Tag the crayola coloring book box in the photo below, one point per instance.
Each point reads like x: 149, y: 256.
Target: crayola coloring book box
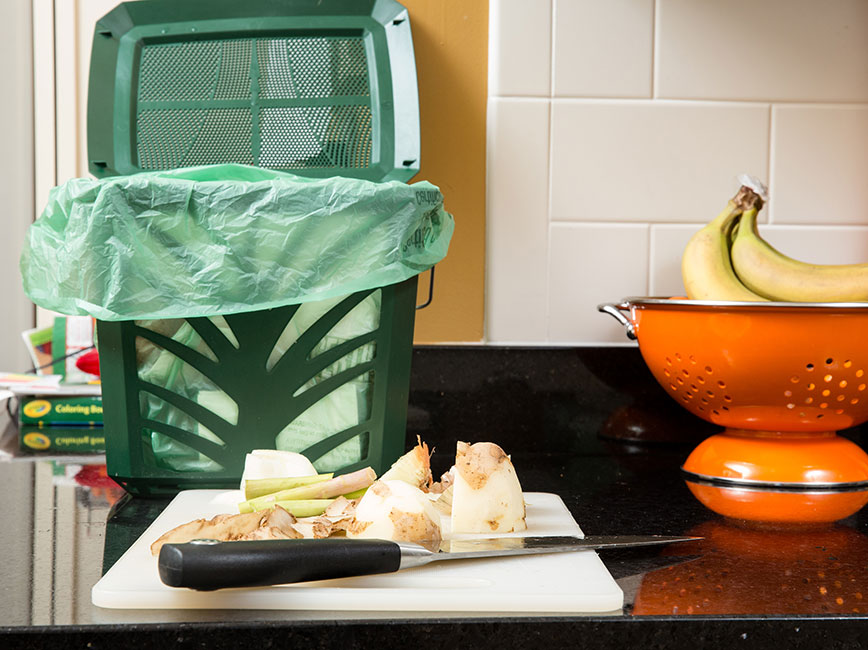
x: 60, y: 410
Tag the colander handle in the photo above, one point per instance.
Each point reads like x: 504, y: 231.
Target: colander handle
x: 614, y: 310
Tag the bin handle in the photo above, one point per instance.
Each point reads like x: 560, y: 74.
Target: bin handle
x: 614, y: 310
x: 430, y: 291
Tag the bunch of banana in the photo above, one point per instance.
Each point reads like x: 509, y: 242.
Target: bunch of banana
x: 706, y: 268
x: 776, y: 276
x: 729, y: 260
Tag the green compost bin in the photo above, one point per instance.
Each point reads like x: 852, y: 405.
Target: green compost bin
x: 197, y: 368
x: 240, y: 308
x: 161, y: 441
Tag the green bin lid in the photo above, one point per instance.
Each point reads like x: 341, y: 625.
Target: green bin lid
x: 317, y: 88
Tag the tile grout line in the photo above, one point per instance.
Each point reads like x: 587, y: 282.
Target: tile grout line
x: 771, y: 163
x: 548, y: 208
x: 552, y: 20
x: 654, y: 57
x: 655, y: 74
x: 649, y: 227
x: 667, y: 101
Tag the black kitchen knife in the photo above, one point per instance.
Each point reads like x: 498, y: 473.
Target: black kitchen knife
x: 208, y: 564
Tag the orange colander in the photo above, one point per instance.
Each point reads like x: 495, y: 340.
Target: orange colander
x: 781, y: 378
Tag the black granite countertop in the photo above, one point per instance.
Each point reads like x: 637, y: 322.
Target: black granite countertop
x: 588, y: 424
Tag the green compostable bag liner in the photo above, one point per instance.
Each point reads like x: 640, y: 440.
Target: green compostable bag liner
x: 224, y: 239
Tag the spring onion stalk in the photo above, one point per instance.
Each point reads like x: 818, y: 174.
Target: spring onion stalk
x: 355, y: 495
x: 298, y: 508
x: 254, y: 488
x: 329, y: 489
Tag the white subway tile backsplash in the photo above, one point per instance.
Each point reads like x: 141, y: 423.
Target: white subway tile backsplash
x: 590, y: 264
x: 652, y: 161
x: 517, y: 225
x: 603, y: 49
x: 820, y: 163
x: 617, y: 130
x: 667, y: 247
x: 818, y: 244
x: 774, y: 50
x: 520, y: 37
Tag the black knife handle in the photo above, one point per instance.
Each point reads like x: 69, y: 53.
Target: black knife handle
x: 208, y: 565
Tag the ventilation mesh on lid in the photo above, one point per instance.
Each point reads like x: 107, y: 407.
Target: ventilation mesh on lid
x: 313, y: 67
x: 322, y: 136
x: 233, y: 80
x: 179, y: 71
x: 281, y: 103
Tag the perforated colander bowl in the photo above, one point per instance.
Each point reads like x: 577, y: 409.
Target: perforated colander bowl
x: 779, y: 367
x: 782, y: 379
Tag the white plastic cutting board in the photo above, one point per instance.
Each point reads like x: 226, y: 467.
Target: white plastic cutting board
x: 560, y: 582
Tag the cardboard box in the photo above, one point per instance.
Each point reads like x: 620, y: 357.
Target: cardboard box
x: 60, y: 410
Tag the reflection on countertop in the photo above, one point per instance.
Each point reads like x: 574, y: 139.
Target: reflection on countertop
x: 54, y: 515
x: 754, y: 569
x: 559, y: 417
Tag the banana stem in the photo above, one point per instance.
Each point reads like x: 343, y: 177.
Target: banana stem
x: 746, y: 199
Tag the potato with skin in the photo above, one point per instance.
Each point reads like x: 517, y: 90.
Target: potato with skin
x: 486, y: 493
x: 398, y: 511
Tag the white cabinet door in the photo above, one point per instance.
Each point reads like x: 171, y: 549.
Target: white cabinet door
x: 62, y: 34
x: 16, y: 175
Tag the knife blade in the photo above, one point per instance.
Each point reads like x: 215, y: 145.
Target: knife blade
x: 206, y: 565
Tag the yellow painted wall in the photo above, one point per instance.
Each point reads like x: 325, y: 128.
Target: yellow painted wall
x: 450, y: 38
